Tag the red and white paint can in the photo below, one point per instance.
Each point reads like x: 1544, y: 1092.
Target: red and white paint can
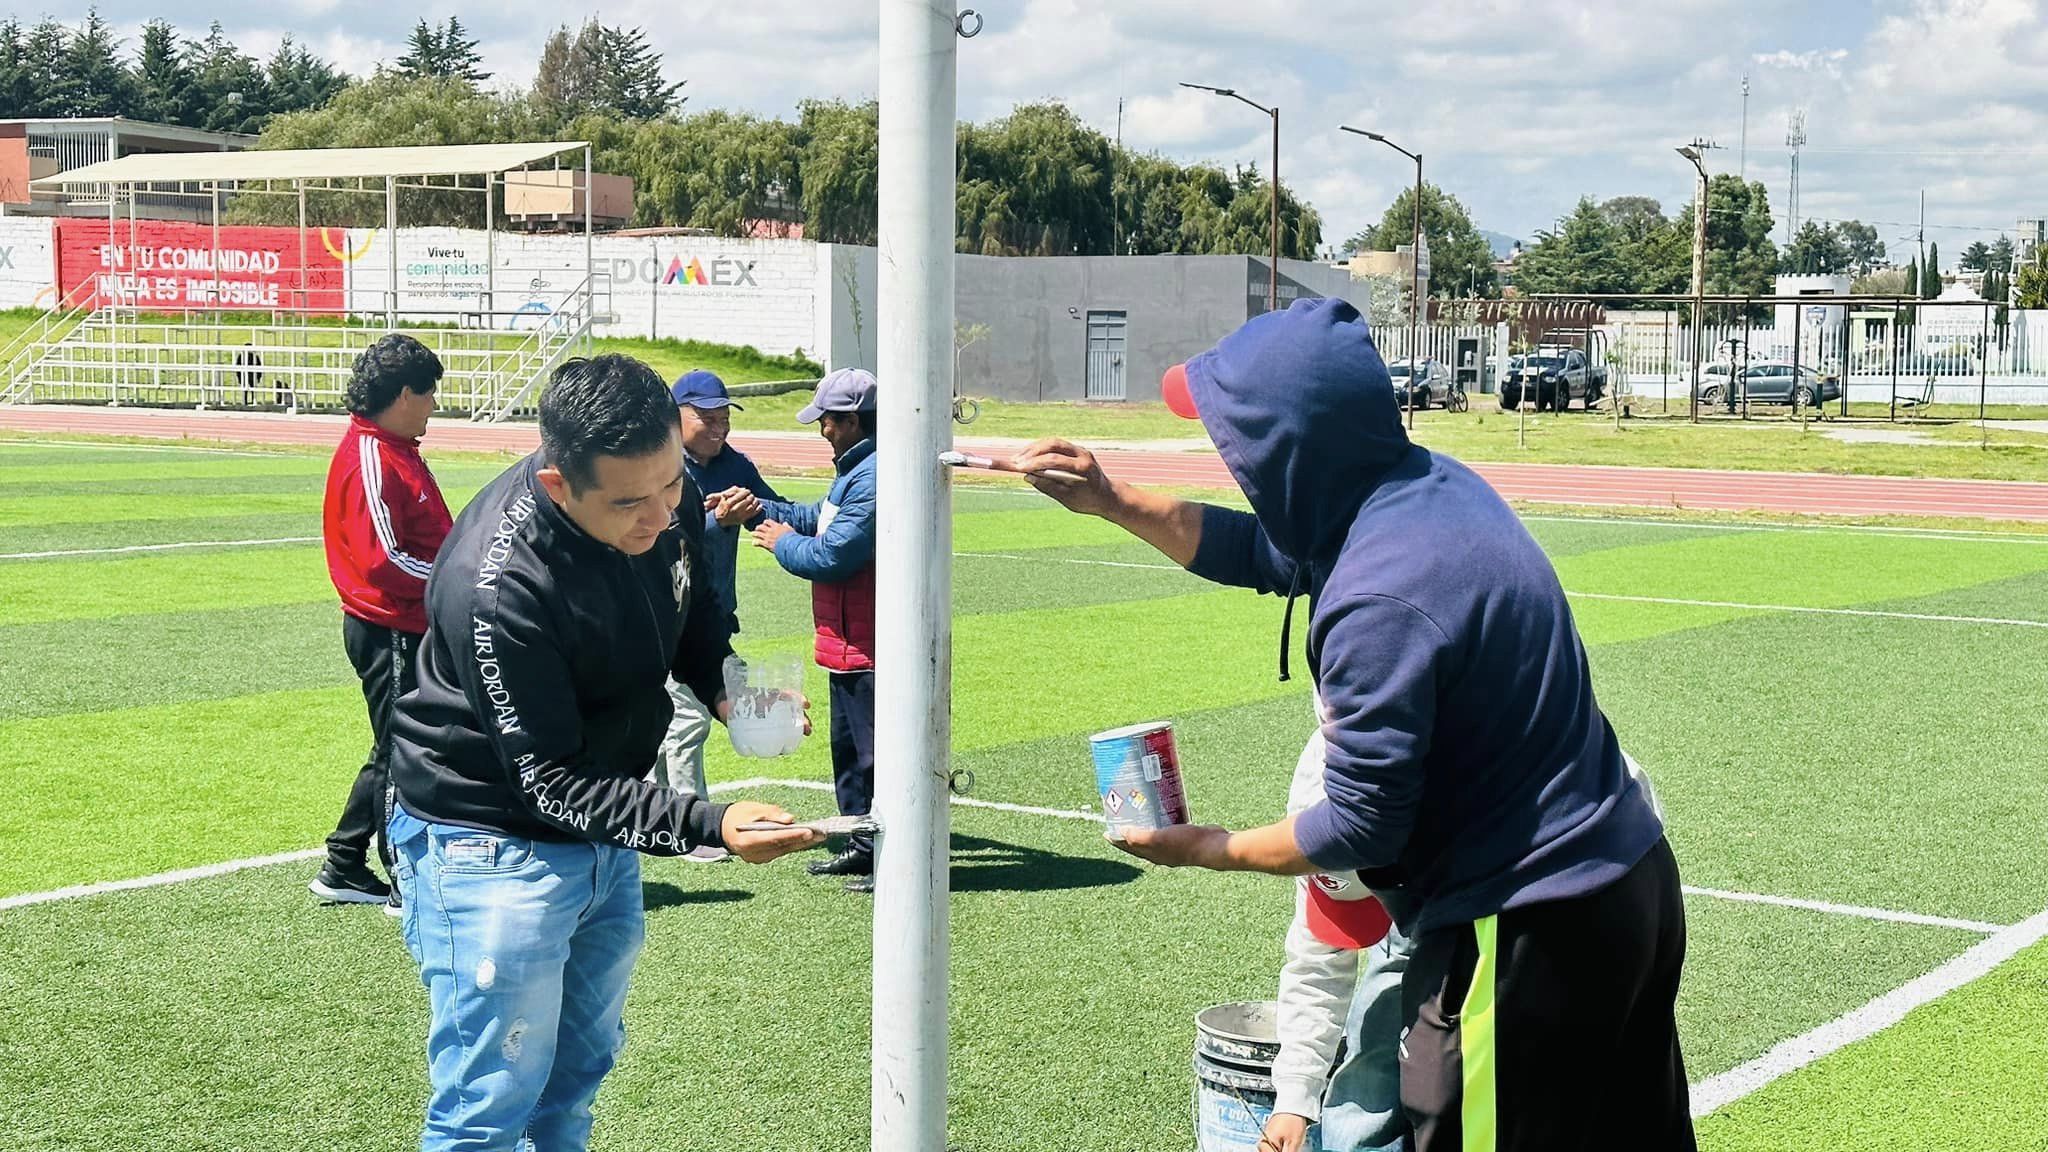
x: 1137, y: 775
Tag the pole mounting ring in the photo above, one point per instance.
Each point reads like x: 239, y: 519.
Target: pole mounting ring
x: 962, y: 26
x: 960, y: 782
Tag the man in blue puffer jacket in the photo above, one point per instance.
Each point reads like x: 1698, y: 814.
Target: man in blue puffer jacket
x: 1548, y: 920
x: 832, y: 545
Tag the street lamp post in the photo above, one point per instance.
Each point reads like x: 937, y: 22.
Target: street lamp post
x: 1273, y: 267
x: 1699, y: 277
x: 1414, y: 266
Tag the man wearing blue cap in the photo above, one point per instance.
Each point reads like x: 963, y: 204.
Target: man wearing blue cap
x: 733, y: 490
x: 832, y: 545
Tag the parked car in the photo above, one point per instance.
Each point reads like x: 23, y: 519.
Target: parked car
x: 1769, y: 382
x: 1554, y: 377
x: 1435, y: 390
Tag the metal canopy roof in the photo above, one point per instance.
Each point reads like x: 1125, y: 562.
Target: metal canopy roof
x: 310, y: 164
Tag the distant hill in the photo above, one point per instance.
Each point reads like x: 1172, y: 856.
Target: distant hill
x: 1501, y: 243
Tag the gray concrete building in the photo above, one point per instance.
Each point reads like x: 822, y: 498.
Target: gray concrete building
x: 1105, y: 328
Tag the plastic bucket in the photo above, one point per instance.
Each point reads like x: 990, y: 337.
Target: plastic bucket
x: 1235, y: 1045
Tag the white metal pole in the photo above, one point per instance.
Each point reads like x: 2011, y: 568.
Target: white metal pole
x: 391, y: 239
x: 490, y: 300
x: 914, y: 575
x: 589, y: 244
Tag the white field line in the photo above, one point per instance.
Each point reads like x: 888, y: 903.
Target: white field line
x: 1082, y: 815
x: 1709, y: 1095
x: 158, y: 880
x: 1866, y: 612
x: 1789, y: 1056
x: 9, y: 441
x: 1960, y: 534
x: 1667, y: 600
x: 158, y: 547
x: 1856, y: 910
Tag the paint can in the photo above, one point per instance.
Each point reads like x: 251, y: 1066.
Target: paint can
x: 1235, y: 1045
x: 1137, y: 775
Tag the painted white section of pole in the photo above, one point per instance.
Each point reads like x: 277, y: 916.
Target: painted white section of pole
x: 914, y: 575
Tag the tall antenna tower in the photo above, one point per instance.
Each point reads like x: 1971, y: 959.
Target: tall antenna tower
x: 1742, y: 155
x: 1795, y: 139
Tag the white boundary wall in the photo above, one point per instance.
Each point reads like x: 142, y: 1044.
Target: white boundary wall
x: 758, y: 292
x: 28, y: 263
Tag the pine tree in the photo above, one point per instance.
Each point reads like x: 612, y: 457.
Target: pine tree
x: 50, y: 88
x: 422, y: 53
x: 1930, y: 276
x: 459, y: 57
x: 629, y: 76
x: 296, y: 80
x: 228, y: 89
x: 14, y: 79
x: 102, y: 85
x: 163, y: 80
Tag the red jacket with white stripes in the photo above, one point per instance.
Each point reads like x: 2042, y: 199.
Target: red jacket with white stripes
x: 384, y: 520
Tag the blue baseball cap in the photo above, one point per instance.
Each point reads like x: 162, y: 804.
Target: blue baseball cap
x: 842, y: 390
x: 701, y: 389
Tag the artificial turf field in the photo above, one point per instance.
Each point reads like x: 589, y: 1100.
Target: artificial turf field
x: 168, y: 708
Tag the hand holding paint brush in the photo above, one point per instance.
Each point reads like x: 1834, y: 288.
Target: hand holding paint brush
x: 989, y: 464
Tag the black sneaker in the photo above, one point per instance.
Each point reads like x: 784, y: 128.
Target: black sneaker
x: 852, y: 862
x: 355, y: 886
x: 861, y: 884
x: 394, y: 905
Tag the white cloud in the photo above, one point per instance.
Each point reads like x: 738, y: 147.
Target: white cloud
x: 1519, y: 106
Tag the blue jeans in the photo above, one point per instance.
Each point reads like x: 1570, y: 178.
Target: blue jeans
x: 526, y: 948
x: 1362, y: 1108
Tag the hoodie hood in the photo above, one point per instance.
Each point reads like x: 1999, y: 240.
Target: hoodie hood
x: 1302, y: 411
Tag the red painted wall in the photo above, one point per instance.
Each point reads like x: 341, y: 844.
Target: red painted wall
x: 164, y: 265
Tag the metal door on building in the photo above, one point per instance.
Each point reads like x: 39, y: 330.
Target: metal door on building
x: 1105, y: 375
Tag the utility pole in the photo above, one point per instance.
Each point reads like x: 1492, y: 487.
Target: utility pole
x: 1116, y: 202
x: 1696, y: 152
x: 1273, y: 271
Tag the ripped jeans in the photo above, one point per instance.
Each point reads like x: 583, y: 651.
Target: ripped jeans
x: 526, y: 948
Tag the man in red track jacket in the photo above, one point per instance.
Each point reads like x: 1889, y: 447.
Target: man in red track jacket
x: 384, y: 521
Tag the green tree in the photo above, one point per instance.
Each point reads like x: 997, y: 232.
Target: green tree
x: 2030, y: 282
x: 1976, y: 257
x: 16, y: 85
x: 1656, y: 255
x: 1866, y: 251
x: 1930, y: 273
x: 296, y: 80
x: 163, y: 78
x: 1817, y: 249
x: 51, y: 88
x: 444, y: 52
x: 839, y: 151
x: 100, y: 85
x: 604, y: 69
x: 1582, y: 255
x: 1460, y: 259
x: 1882, y: 282
x: 2001, y: 255
x: 390, y: 110
x: 1035, y: 182
x: 1741, y: 260
x: 229, y: 91
x: 629, y: 77
x: 565, y: 83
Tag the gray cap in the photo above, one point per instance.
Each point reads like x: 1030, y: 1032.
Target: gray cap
x: 842, y: 390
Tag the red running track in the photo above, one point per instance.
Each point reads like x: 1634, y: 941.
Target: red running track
x: 1591, y: 485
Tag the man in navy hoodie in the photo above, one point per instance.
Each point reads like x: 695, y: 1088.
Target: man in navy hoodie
x: 1548, y: 921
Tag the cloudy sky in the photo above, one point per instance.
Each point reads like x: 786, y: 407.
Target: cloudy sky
x: 1518, y: 106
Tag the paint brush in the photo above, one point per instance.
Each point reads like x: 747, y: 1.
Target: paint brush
x: 963, y: 460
